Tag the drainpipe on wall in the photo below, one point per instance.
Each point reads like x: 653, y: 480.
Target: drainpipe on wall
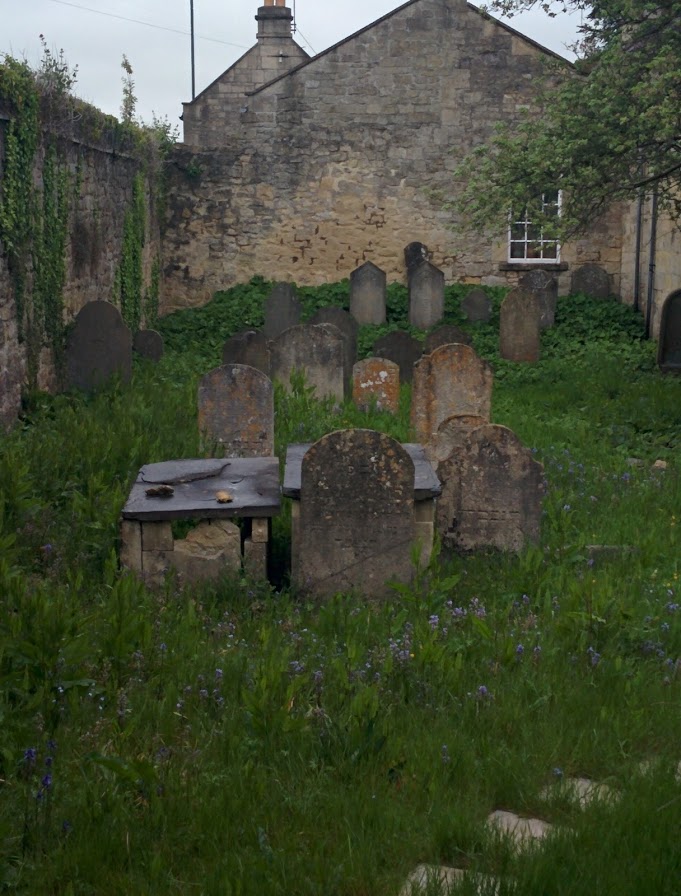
x: 637, y: 268
x: 651, y: 264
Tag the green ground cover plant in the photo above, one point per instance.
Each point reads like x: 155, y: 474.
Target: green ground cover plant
x: 236, y: 739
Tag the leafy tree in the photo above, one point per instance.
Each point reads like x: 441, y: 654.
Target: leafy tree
x: 611, y: 126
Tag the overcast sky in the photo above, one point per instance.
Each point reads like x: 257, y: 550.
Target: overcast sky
x: 154, y: 35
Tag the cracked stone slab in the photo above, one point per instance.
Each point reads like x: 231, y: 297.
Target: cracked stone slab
x: 424, y: 877
x: 523, y: 831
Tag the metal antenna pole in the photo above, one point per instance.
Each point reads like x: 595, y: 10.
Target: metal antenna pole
x: 191, y: 17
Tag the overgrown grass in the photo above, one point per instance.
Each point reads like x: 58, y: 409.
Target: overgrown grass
x: 234, y: 739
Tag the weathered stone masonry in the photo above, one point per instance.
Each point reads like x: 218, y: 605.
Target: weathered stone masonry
x: 335, y: 162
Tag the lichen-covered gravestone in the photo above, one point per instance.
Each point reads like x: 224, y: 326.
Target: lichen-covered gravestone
x: 545, y: 286
x: 367, y: 294
x: 248, y: 347
x: 451, y: 380
x: 148, y: 344
x: 282, y: 310
x: 591, y: 280
x: 451, y: 435
x: 426, y: 296
x: 236, y: 411
x: 477, y: 306
x: 519, y: 329
x: 348, y: 326
x: 317, y: 350
x: 492, y: 490
x: 356, y: 525
x: 99, y: 346
x: 669, y: 343
x: 445, y: 335
x: 376, y: 382
x: 401, y: 348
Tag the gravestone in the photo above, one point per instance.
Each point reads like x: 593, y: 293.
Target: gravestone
x: 492, y: 490
x: 477, y: 306
x: 415, y: 254
x: 591, y: 280
x: 367, y: 294
x: 669, y: 341
x: 356, y: 525
x: 248, y: 347
x: 545, y: 286
x: 401, y: 348
x: 148, y: 344
x: 519, y: 332
x: 236, y: 410
x: 426, y: 296
x: 451, y: 435
x: 445, y: 335
x: 451, y: 380
x: 282, y: 310
x: 317, y: 350
x: 349, y: 328
x: 98, y: 347
x: 376, y: 381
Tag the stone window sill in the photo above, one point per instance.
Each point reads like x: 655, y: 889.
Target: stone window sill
x: 533, y: 266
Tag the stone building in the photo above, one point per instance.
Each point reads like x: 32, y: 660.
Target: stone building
x: 303, y: 168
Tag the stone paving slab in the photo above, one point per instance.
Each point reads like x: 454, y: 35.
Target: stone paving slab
x: 522, y: 831
x: 424, y: 877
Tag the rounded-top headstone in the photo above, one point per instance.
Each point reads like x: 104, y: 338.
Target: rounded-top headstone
x: 403, y: 349
x: 477, y: 306
x: 445, y: 335
x: 148, y: 344
x: 451, y: 435
x: 236, y: 410
x: 99, y: 346
x: 316, y: 350
x: 247, y: 347
x: 348, y: 326
x: 591, y: 280
x: 376, y: 382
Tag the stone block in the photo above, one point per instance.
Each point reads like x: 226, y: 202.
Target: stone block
x: 131, y: 545
x: 260, y: 530
x: 157, y: 536
x: 209, y: 550
x: 255, y: 559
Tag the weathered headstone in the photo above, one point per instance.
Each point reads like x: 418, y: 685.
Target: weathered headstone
x: 445, y: 335
x: 477, y: 306
x: 317, y: 350
x: 669, y: 341
x: 415, y: 254
x: 591, y: 280
x: 451, y: 435
x: 356, y: 525
x: 451, y: 380
x: 519, y: 331
x: 367, y: 294
x: 426, y: 296
x: 349, y: 328
x: 148, y: 344
x: 236, y: 410
x: 492, y: 490
x: 545, y: 286
x: 401, y: 348
x: 376, y: 381
x: 98, y: 347
x: 248, y: 347
x: 282, y: 310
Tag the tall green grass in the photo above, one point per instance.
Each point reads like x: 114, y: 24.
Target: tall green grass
x: 234, y: 739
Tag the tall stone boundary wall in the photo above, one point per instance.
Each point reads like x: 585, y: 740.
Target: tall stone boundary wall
x: 343, y: 160
x: 104, y: 166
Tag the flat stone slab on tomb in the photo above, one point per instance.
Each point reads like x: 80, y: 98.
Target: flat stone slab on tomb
x: 401, y: 348
x: 445, y: 335
x: 252, y: 483
x: 236, y: 410
x: 426, y: 483
x: 477, y: 306
x: 148, y: 344
x: 248, y: 347
x: 451, y: 380
x: 376, y: 381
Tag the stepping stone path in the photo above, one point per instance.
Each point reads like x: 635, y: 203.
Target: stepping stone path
x: 523, y: 832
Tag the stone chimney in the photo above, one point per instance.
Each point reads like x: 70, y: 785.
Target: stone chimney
x: 274, y: 22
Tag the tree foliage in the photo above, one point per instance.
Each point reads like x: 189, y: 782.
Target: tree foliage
x: 610, y: 129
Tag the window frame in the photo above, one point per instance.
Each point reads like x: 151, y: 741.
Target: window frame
x: 529, y: 240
